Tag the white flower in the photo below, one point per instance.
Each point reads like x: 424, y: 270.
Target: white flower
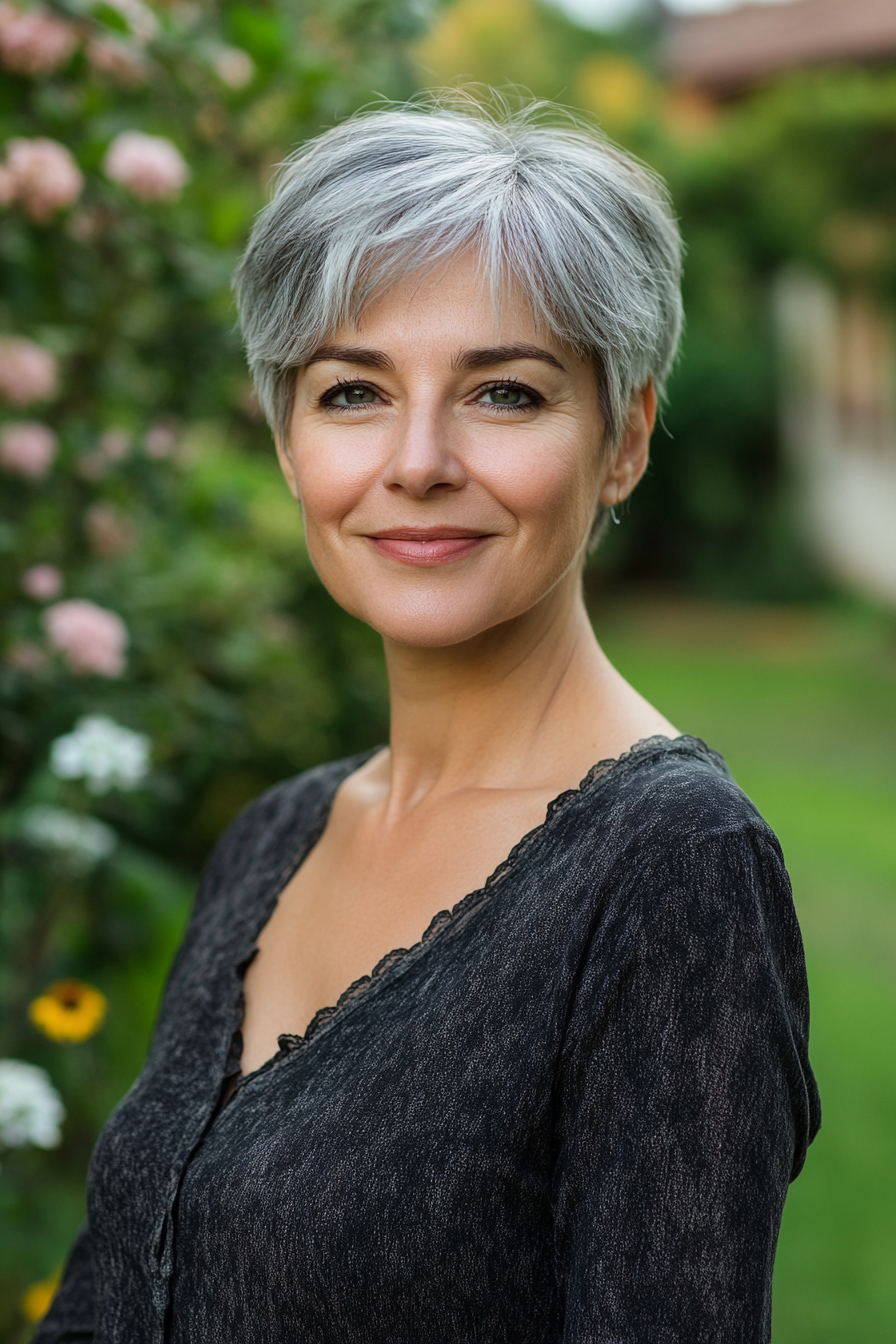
x: 103, y: 753
x: 83, y: 840
x: 31, y: 1109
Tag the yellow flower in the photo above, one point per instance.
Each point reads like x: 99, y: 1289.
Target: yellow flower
x: 35, y: 1301
x: 68, y: 1010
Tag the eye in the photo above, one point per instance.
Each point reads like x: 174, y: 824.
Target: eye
x: 346, y: 395
x: 509, y: 396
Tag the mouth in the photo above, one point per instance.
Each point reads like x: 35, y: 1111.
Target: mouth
x: 428, y: 546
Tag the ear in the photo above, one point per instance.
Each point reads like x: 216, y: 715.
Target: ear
x: 633, y: 451
x: 287, y: 466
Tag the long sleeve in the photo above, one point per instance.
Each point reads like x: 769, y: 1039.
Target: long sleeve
x: 686, y: 1102
x: 70, y: 1319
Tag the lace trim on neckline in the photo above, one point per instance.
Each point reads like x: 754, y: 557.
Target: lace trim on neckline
x: 289, y: 1042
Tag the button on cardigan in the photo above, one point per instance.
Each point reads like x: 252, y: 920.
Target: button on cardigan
x: 569, y: 1114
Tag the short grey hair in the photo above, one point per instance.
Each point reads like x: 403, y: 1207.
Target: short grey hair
x: 584, y: 230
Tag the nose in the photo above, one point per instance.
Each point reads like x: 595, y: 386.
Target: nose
x: 423, y: 461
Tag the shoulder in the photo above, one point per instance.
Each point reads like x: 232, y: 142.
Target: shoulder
x: 670, y: 793
x: 680, y: 783
x: 670, y: 838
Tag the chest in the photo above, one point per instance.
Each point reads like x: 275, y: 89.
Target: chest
x: 364, y: 890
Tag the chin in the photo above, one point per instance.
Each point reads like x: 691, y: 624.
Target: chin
x: 435, y: 621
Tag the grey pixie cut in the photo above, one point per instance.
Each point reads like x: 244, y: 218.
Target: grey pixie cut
x: 586, y: 233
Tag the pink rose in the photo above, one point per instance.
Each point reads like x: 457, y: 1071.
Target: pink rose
x: 27, y: 448
x: 45, y: 176
x: 148, y: 165
x: 34, y: 43
x: 27, y: 371
x: 42, y: 582
x: 89, y: 638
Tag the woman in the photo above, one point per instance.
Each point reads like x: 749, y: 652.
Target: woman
x: 570, y: 1110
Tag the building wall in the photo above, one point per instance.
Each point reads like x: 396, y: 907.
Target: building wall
x: 838, y: 409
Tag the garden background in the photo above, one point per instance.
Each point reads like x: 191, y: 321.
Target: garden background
x: 167, y: 652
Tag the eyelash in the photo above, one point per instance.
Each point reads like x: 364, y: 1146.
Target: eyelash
x: 339, y: 386
x: 536, y: 399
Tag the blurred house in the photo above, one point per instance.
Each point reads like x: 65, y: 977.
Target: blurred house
x: 837, y: 346
x: 730, y: 52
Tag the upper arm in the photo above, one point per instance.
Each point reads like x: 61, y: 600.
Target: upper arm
x: 686, y: 1104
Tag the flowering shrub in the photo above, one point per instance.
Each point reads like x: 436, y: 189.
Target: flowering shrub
x: 31, y: 1110
x: 148, y: 165
x: 42, y: 582
x: 103, y: 753
x: 27, y: 371
x: 89, y: 638
x: 41, y: 176
x: 36, y: 1299
x: 83, y: 841
x: 27, y: 448
x: 34, y: 41
x: 68, y: 1010
x: 157, y: 606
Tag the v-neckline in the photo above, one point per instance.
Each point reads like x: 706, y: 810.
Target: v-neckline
x: 289, y: 1042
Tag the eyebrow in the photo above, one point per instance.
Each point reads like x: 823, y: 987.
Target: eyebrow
x: 352, y: 354
x: 503, y: 354
x: 467, y: 359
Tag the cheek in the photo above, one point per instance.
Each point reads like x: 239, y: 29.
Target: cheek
x: 551, y: 488
x: 331, y: 479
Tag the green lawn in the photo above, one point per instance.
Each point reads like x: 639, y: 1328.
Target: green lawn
x: 803, y: 706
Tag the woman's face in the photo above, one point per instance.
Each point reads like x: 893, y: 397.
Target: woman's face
x: 448, y: 464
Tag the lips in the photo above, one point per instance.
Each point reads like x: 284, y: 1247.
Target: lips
x: 428, y: 547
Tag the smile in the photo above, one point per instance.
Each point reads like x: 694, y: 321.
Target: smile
x: 428, y: 547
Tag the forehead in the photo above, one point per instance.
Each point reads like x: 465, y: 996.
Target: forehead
x: 453, y: 302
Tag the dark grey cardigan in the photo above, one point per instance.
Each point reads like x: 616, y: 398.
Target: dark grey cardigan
x: 570, y: 1113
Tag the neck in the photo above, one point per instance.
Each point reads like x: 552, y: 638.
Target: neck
x: 500, y: 710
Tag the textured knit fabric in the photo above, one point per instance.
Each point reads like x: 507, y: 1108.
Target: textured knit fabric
x: 570, y: 1113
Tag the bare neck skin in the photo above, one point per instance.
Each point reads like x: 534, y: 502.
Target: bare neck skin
x: 532, y: 703
x: 484, y: 735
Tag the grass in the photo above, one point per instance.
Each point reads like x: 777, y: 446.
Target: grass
x: 803, y: 706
